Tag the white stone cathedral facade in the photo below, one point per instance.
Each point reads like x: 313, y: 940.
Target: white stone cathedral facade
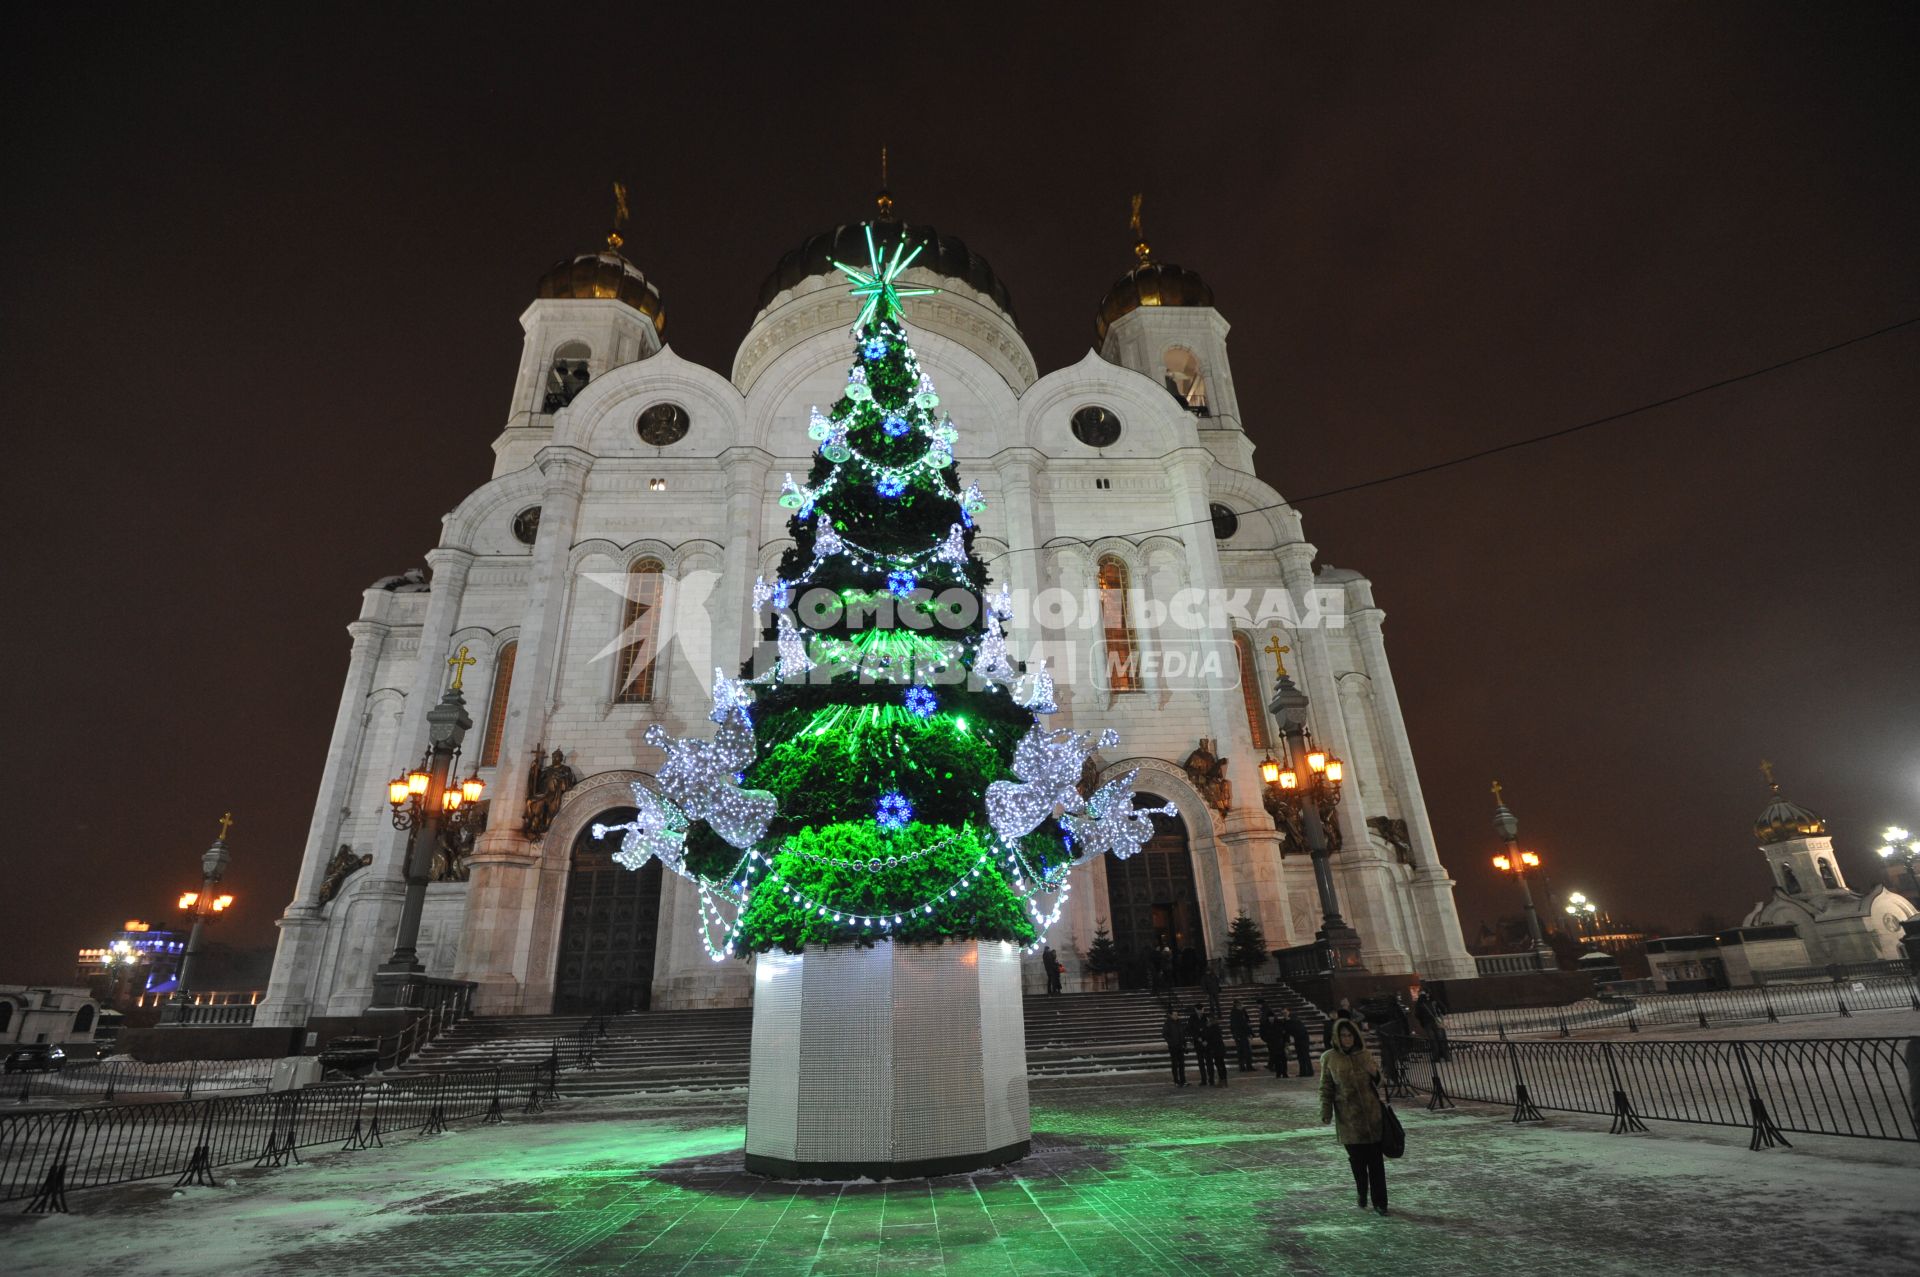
x: 607, y: 567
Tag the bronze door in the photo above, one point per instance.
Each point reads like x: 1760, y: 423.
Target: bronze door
x: 1151, y: 897
x: 608, y: 927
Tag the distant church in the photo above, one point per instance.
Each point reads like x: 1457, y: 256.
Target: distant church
x: 607, y: 567
x: 1809, y: 894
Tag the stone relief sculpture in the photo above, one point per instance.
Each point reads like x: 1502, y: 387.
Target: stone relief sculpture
x: 1395, y: 834
x: 343, y: 865
x: 1209, y: 775
x: 548, y: 780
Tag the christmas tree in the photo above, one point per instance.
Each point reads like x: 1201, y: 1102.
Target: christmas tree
x: 887, y: 777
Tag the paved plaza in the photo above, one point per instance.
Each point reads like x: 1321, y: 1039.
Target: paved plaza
x: 1124, y: 1179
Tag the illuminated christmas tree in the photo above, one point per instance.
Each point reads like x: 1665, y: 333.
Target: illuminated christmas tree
x: 887, y: 777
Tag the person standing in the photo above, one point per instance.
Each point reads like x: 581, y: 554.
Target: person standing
x: 1350, y: 1099
x: 1163, y: 969
x: 1197, y: 1034
x: 1242, y: 1036
x: 1284, y: 1027
x: 1428, y: 1014
x: 1302, y: 1045
x: 1215, y: 1044
x: 1210, y: 983
x: 1175, y: 1034
x: 1051, y: 961
x: 1274, y: 1039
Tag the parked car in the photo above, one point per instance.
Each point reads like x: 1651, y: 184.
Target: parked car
x: 35, y: 1057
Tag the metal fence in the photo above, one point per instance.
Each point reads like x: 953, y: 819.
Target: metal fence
x: 1860, y: 1087
x: 44, y: 1154
x: 1771, y: 1002
x: 124, y: 1080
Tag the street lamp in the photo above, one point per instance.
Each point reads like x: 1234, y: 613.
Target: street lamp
x: 425, y: 800
x: 1303, y: 805
x: 1584, y: 912
x: 1520, y: 864
x: 202, y: 904
x: 1904, y: 847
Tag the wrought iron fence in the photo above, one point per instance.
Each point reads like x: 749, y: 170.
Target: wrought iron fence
x: 121, y: 1080
x: 44, y: 1154
x: 1861, y: 1087
x: 1770, y: 1002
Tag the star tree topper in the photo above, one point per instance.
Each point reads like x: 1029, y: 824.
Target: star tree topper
x: 876, y: 284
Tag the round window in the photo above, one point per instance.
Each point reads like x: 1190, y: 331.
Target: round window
x: 1095, y: 426
x: 663, y: 424
x: 526, y: 525
x: 1225, y: 522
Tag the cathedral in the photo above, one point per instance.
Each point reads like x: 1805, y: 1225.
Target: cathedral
x: 591, y: 587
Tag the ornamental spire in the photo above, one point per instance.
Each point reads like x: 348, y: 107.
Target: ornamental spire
x: 614, y: 238
x: 1141, y: 250
x: 884, y: 200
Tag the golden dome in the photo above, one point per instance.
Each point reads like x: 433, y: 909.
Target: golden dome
x: 1783, y: 819
x: 604, y: 276
x: 1149, y: 283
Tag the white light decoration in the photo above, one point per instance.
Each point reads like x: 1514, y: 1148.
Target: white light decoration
x: 1034, y: 691
x: 990, y: 663
x: 953, y: 550
x: 825, y: 540
x: 1048, y: 764
x: 659, y: 830
x: 1111, y: 824
x: 794, y: 661
x: 702, y: 776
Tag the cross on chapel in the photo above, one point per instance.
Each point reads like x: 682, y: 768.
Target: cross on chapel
x: 458, y: 664
x: 1276, y: 649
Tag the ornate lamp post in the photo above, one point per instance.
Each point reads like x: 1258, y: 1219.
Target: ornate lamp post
x: 1520, y: 863
x: 1904, y: 847
x: 426, y: 800
x: 202, y: 904
x: 1585, y: 914
x: 1303, y: 805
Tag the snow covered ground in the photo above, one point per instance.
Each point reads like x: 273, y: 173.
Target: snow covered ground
x: 1124, y: 1179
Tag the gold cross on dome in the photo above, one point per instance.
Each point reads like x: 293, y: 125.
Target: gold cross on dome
x: 1496, y: 795
x: 226, y: 823
x: 458, y: 664
x: 1766, y: 769
x: 1276, y: 649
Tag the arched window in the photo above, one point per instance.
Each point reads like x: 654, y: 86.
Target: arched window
x: 567, y: 377
x: 497, y: 704
x: 1185, y: 381
x: 639, y: 632
x: 6, y: 1016
x: 1827, y: 875
x: 1123, y: 674
x: 83, y: 1020
x: 1791, y: 878
x: 1250, y: 692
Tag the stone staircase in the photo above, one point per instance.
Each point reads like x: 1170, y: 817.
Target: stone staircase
x: 705, y: 1053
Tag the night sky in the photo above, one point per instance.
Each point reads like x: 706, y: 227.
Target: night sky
x: 262, y: 281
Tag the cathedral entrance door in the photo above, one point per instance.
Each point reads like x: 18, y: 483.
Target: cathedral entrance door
x: 607, y: 928
x: 1151, y: 898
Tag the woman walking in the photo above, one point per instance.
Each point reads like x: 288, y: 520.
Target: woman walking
x: 1349, y: 1099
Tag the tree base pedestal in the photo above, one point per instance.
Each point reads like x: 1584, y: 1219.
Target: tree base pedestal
x: 897, y: 1061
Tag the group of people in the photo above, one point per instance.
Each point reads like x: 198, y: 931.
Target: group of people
x: 1202, y: 1028
x: 1350, y: 1079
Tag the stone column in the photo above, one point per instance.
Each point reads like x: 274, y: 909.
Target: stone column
x: 1444, y: 953
x: 1018, y: 470
x: 734, y: 630
x: 1360, y: 870
x: 1247, y: 835
x: 503, y: 886
x: 303, y: 926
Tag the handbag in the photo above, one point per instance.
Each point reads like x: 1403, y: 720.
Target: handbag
x: 1393, y: 1136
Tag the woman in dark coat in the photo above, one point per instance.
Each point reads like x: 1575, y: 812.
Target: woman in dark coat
x: 1350, y: 1099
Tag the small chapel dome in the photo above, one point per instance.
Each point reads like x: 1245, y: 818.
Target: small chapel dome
x: 1783, y: 819
x: 941, y: 254
x: 1149, y: 283
x: 604, y: 276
